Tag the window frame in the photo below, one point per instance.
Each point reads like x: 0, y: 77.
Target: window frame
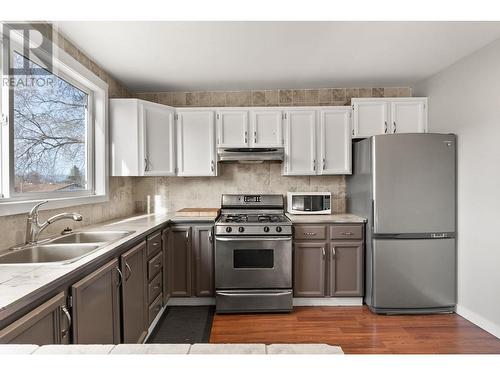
x: 97, y: 174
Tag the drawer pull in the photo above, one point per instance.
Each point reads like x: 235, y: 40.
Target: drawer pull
x: 310, y: 233
x: 156, y: 243
x: 157, y: 265
x: 347, y: 233
x: 156, y: 287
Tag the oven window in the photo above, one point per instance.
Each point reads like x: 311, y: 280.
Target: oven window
x: 253, y: 258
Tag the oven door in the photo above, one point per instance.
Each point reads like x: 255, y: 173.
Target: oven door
x: 253, y: 262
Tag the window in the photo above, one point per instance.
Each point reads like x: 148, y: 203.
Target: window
x: 50, y: 127
x: 54, y: 134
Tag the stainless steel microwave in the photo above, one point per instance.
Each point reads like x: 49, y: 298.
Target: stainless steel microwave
x: 309, y: 203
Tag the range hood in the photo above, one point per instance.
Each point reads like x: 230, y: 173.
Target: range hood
x: 248, y: 154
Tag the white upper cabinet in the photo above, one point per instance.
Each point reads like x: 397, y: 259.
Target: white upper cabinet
x: 300, y: 142
x: 158, y: 139
x: 335, y: 140
x: 266, y: 127
x: 373, y: 116
x: 232, y: 128
x: 141, y: 138
x: 196, y: 142
x: 409, y: 115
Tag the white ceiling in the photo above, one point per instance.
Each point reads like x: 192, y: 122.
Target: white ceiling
x: 165, y: 56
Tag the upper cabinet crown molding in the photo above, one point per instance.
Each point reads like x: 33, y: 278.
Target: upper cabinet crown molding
x: 142, y: 138
x: 374, y: 116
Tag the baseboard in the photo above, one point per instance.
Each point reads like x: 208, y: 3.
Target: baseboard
x: 478, y: 320
x: 191, y: 301
x: 333, y: 301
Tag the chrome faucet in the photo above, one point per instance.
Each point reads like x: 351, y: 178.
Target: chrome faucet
x: 34, y: 227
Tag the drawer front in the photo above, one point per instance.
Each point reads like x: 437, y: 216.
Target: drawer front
x: 154, y: 265
x: 154, y: 287
x: 154, y: 244
x: 310, y: 232
x: 155, y: 308
x: 346, y: 232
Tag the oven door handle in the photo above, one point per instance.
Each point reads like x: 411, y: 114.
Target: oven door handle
x: 254, y: 294
x: 253, y: 238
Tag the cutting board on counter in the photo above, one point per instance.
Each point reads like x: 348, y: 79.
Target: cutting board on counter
x: 194, y: 212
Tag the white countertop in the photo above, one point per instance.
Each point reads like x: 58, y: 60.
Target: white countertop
x: 18, y: 281
x: 338, y: 218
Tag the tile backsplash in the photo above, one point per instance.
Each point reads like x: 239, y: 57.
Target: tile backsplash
x: 277, y: 97
x: 175, y: 193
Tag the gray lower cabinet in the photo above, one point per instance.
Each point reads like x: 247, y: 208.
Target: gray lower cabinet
x: 309, y: 260
x: 167, y: 264
x: 47, y: 324
x: 96, y: 306
x: 192, y: 259
x: 134, y: 294
x: 203, y: 261
x: 346, y: 269
x: 334, y: 268
x: 181, y: 261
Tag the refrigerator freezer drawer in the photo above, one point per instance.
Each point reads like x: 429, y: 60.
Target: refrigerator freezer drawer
x: 414, y: 273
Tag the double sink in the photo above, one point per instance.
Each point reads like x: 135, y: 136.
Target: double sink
x: 64, y: 249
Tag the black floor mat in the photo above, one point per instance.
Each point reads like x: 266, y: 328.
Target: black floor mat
x: 184, y: 325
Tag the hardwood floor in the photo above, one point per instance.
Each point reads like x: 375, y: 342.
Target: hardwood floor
x: 357, y: 330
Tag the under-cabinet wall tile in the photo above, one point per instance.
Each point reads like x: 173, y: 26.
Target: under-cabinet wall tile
x: 378, y: 92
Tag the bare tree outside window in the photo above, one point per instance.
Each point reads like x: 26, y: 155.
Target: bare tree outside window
x: 50, y: 134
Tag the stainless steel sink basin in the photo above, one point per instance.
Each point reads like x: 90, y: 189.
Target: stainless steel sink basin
x: 48, y: 253
x: 92, y: 237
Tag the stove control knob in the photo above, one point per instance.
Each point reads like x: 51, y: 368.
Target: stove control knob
x: 229, y: 229
x: 279, y: 229
x: 241, y: 229
x: 266, y: 229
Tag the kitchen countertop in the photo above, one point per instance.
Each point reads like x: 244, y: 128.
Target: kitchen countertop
x: 19, y: 282
x: 338, y: 218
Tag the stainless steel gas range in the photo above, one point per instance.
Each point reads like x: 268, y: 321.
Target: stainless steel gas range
x: 253, y: 255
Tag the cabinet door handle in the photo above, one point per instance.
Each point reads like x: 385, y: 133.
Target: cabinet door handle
x: 64, y: 332
x: 314, y: 164
x: 246, y: 137
x: 156, y: 287
x: 210, y: 236
x: 145, y: 164
x: 255, y: 136
x: 323, y: 251
x: 212, y: 165
x: 324, y: 164
x: 187, y: 235
x: 385, y: 129
x: 394, y: 130
x: 120, y: 277
x: 333, y: 251
x: 129, y: 271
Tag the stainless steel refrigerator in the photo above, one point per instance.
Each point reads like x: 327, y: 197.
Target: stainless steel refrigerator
x: 405, y: 185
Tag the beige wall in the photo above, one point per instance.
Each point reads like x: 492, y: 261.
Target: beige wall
x: 121, y: 201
